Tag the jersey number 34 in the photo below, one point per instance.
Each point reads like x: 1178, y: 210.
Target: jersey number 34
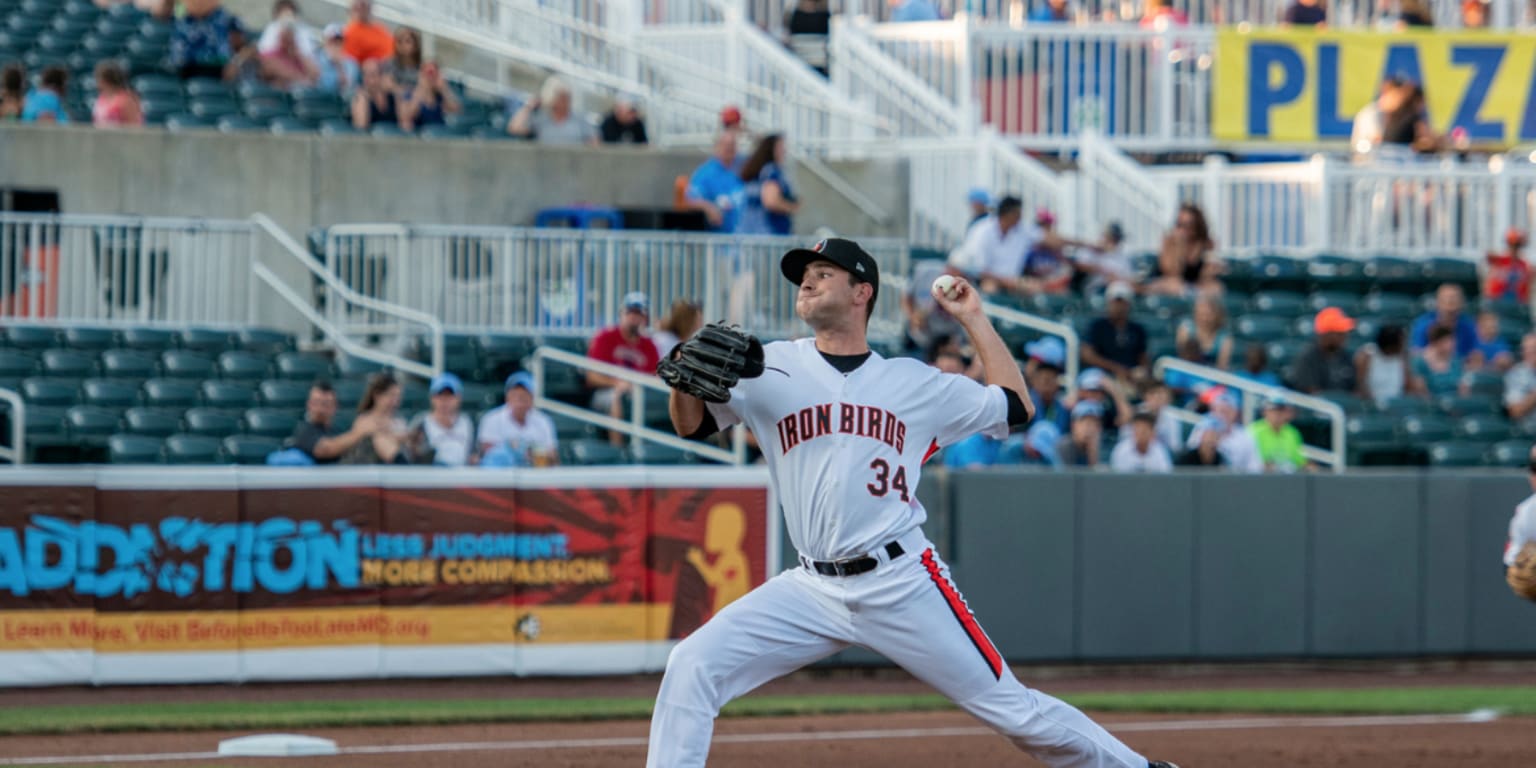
x: 885, y: 483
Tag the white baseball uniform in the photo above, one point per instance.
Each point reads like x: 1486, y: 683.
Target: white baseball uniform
x: 845, y: 453
x: 1522, y: 529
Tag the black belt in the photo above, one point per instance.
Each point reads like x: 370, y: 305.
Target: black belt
x: 853, y: 566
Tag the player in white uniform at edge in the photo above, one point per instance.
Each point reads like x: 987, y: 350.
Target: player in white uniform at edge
x: 845, y: 433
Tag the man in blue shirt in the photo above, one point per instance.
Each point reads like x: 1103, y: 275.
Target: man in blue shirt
x: 913, y: 10
x: 1052, y: 11
x: 45, y: 104
x: 715, y: 189
x: 1449, y: 305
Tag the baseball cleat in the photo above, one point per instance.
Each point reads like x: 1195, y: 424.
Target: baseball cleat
x: 1160, y: 764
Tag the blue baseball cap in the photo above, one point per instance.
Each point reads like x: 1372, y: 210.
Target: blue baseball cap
x: 446, y: 382
x: 522, y: 379
x: 1042, y: 438
x: 979, y: 196
x: 1092, y: 379
x: 1087, y: 409
x: 1048, y: 350
x: 637, y: 301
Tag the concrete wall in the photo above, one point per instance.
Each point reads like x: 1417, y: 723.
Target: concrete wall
x: 303, y: 182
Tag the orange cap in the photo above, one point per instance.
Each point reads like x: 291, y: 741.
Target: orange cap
x: 1333, y: 320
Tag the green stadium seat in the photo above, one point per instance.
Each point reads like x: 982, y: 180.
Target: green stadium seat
x: 110, y: 393
x: 127, y: 364
x: 1280, y: 273
x: 92, y: 425
x: 49, y: 391
x: 1509, y: 453
x: 1167, y: 307
x: 1238, y: 275
x: 264, y: 341
x: 217, y: 393
x: 1408, y: 405
x: 1471, y: 405
x: 1394, y: 274
x: 204, y: 87
x: 1422, y: 429
x: 155, y: 422
x: 1372, y: 440
x: 569, y: 428
x: 1457, y: 454
x: 278, y: 393
x: 1280, y: 303
x: 301, y: 367
x: 289, y: 126
x: 576, y: 345
x: 150, y: 339
x: 1392, y: 305
x: 483, y: 396
x: 564, y: 383
x: 249, y: 449
x: 502, y: 354
x: 187, y: 121
x: 215, y: 422
x: 594, y: 452
x: 1445, y: 269
x: 134, y: 449
x: 90, y: 339
x: 1483, y: 428
x: 1236, y: 303
x: 270, y: 422
x: 68, y: 364
x: 1320, y: 300
x: 1331, y: 272
x: 244, y: 366
x: 15, y: 364
x: 655, y: 453
x: 348, y: 366
x: 1262, y: 328
x: 186, y: 364
x: 413, y: 398
x: 349, y: 392
x: 238, y: 124
x: 191, y: 449
x: 171, y: 393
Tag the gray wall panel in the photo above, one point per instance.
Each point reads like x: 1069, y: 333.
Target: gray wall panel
x: 1501, y: 622
x: 1444, y: 514
x: 1251, y: 566
x: 1365, y: 564
x: 1137, y: 565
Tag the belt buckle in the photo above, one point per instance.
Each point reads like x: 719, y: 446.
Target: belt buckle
x: 841, y: 566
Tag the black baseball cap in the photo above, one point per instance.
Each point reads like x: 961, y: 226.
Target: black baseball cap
x: 844, y: 253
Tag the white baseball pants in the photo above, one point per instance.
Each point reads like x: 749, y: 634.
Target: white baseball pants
x: 908, y: 610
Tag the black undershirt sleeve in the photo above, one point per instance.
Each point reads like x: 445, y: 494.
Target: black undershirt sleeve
x: 1017, y: 415
x: 706, y: 428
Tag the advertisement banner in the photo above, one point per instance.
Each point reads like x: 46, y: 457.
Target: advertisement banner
x: 1305, y: 87
x: 214, y: 578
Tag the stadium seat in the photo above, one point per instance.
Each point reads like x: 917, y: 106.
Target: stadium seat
x: 564, y: 383
x: 594, y: 451
x: 1485, y: 383
x: 337, y: 126
x: 1483, y: 428
x: 1390, y: 305
x: 1279, y: 303
x: 171, y: 393
x: 501, y: 354
x: 1330, y: 272
x: 1348, y: 302
x: 483, y: 396
x: 387, y: 131
x: 186, y: 364
x: 1280, y: 273
x: 413, y: 398
x: 45, y: 423
x: 293, y: 365
x: 1372, y: 440
x: 270, y: 422
x: 576, y: 345
x: 244, y: 366
x: 217, y: 393
x: 191, y: 449
x: 656, y: 453
x: 1445, y: 269
x: 1262, y: 328
x: 91, y: 425
x: 211, y: 421
x: 89, y: 339
x: 349, y: 392
x: 352, y: 367
x: 249, y: 449
x: 1426, y: 428
x: 1393, y: 274
x: 47, y: 391
x: 1509, y: 453
x: 210, y: 109
x: 1235, y: 303
x: 1407, y: 405
x: 149, y: 339
x: 1471, y: 405
x: 289, y: 126
x: 68, y: 364
x: 1456, y: 454
x: 17, y: 365
x: 264, y: 341
x: 187, y: 121
x: 204, y: 87
x: 238, y: 124
x: 155, y: 422
x: 569, y: 428
x: 278, y: 393
x: 133, y: 449
x: 110, y: 393
x: 1166, y: 307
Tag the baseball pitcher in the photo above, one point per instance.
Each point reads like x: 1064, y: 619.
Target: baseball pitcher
x: 1520, y: 553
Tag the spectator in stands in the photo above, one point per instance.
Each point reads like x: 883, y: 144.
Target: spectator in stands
x: 683, y: 320
x: 1325, y: 365
x: 406, y: 63
x: 623, y: 124
x: 1277, y: 440
x: 339, y: 74
x: 1449, y: 312
x: 1093, y: 384
x: 1159, y: 15
x: 389, y: 441
x: 516, y: 434
x: 308, y: 38
x: 444, y: 434
x: 715, y: 189
x: 376, y: 102
x: 770, y: 200
x: 1371, y: 121
x: 1208, y: 328
x: 1140, y: 452
x: 1082, y: 444
x: 1187, y: 261
x: 1414, y: 13
x: 1474, y: 14
x: 1238, y: 450
x: 1115, y: 342
x: 314, y: 435
x: 978, y: 450
x: 200, y: 44
x: 926, y: 320
x: 548, y: 118
x: 1105, y: 262
x: 1306, y: 13
x: 160, y: 9
x: 1491, y: 353
x: 1046, y: 266
x: 1051, y: 11
x: 1520, y: 387
x: 1170, y: 432
x: 980, y: 202
x: 913, y: 10
x: 1256, y: 366
x: 116, y: 106
x: 1185, y: 385
x: 1407, y: 127
x: 730, y: 119
x: 363, y: 38
x: 13, y: 91
x: 429, y: 101
x: 1438, y: 365
x: 1205, y: 445
x: 287, y: 65
x: 1509, y: 274
x: 808, y: 27
x: 626, y: 346
x: 1043, y: 369
x: 994, y: 250
x: 1382, y: 369
x: 45, y: 103
x: 244, y: 65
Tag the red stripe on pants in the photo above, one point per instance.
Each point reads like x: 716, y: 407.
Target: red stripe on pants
x: 964, y: 616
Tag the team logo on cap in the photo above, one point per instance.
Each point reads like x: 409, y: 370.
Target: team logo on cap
x: 820, y: 245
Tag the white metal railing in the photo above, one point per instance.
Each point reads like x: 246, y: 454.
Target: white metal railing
x: 865, y: 75
x: 1251, y: 393
x: 1117, y: 187
x: 1068, y: 335
x: 941, y: 171
x: 16, y: 451
x: 120, y: 270
x: 636, y: 427
x: 349, y: 314
x: 566, y: 281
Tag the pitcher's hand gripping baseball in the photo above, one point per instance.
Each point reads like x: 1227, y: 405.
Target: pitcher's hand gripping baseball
x: 710, y: 363
x: 1522, y: 575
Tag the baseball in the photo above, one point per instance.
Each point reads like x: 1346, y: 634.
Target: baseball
x: 946, y: 286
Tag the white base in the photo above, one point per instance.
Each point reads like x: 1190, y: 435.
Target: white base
x: 277, y: 745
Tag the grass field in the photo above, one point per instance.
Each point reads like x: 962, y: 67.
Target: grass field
x: 317, y: 714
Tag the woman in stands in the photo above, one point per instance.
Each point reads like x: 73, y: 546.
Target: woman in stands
x: 1208, y: 330
x: 682, y: 321
x: 1188, y: 262
x: 406, y: 64
x: 13, y: 91
x: 116, y: 104
x: 1382, y: 370
x: 430, y: 100
x: 770, y: 201
x: 287, y: 65
x: 381, y: 403
x: 375, y: 103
